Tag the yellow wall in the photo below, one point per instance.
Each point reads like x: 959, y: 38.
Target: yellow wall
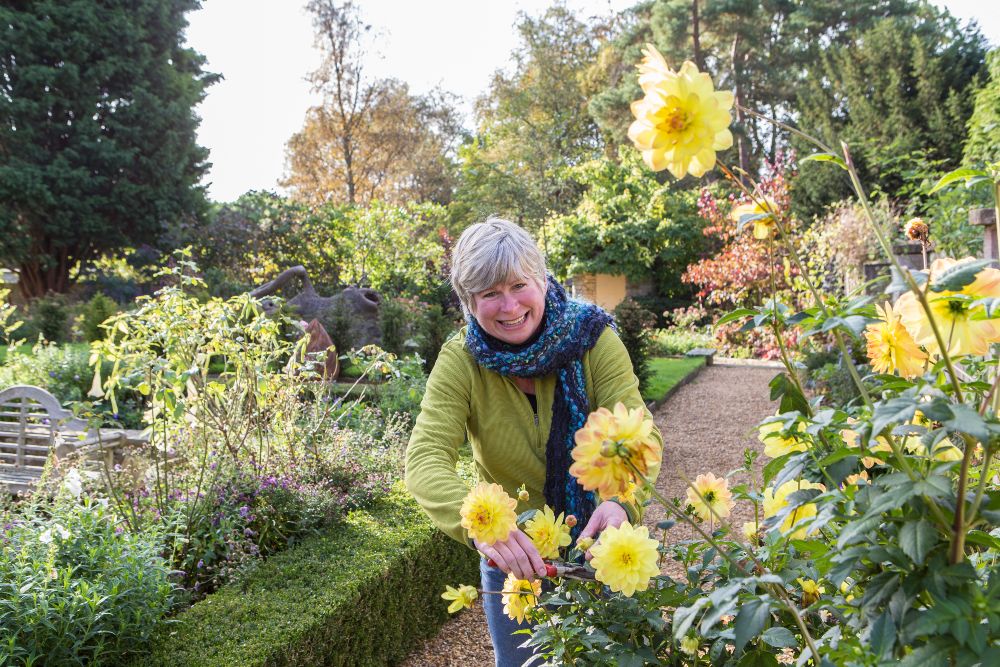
x: 604, y: 289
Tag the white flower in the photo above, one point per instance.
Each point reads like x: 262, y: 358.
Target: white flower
x: 46, y: 536
x: 73, y: 482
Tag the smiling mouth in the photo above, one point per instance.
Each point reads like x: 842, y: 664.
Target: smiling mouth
x: 514, y: 323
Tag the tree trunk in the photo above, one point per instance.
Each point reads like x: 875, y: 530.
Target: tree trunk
x: 696, y: 36
x: 741, y: 139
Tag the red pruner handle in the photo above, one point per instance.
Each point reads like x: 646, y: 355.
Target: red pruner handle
x: 550, y: 570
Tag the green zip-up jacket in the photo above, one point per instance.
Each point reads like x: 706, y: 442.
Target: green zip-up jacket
x: 464, y: 400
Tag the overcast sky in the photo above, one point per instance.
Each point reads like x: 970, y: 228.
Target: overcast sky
x: 264, y: 49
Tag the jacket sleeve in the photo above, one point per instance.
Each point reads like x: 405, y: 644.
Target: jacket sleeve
x: 432, y: 453
x: 614, y: 381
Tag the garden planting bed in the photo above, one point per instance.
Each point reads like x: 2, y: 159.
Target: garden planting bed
x: 363, y: 593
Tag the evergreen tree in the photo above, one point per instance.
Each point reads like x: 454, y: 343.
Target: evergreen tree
x: 97, y: 137
x: 983, y: 144
x: 902, y: 90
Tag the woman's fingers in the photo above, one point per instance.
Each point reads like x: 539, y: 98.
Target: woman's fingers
x: 535, y: 563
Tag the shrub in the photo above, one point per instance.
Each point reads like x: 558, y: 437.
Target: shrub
x: 50, y: 317
x: 634, y: 328
x: 363, y: 594
x: 98, y: 309
x: 76, y: 589
x: 394, y: 321
x: 64, y: 371
x: 678, y: 340
x: 436, y: 326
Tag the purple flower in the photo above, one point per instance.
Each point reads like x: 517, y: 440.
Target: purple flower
x: 201, y: 564
x: 244, y: 511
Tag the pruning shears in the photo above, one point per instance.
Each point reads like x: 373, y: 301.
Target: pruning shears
x: 560, y: 569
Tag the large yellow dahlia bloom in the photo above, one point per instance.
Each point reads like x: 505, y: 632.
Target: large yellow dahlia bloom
x: 519, y: 595
x: 961, y: 334
x: 776, y: 500
x: 625, y: 558
x: 607, y: 447
x: 681, y: 121
x: 890, y: 346
x: 488, y: 513
x: 548, y: 532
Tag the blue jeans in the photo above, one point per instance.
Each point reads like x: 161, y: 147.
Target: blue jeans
x: 506, y: 646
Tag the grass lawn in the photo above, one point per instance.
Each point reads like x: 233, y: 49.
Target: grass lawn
x: 666, y: 372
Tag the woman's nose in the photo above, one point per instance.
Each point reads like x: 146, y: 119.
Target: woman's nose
x: 509, y: 302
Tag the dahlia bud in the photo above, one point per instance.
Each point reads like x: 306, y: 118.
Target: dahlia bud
x: 610, y: 449
x: 571, y: 520
x: 584, y: 543
x: 522, y: 495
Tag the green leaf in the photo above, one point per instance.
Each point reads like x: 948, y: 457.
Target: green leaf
x: 883, y: 634
x: 684, y: 617
x: 750, y: 621
x: 792, y: 400
x: 958, y: 175
x: 934, y: 654
x: 954, y: 278
x: 779, y: 637
x: 737, y: 314
x: 898, y: 410
x: 825, y: 157
x: 916, y: 538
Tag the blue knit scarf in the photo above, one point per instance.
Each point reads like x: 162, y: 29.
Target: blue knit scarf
x: 569, y: 329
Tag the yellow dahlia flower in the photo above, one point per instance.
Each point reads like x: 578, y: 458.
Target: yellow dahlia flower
x: 462, y: 597
x: 810, y: 591
x: 762, y: 227
x: 751, y: 531
x: 710, y: 497
x: 881, y: 445
x: 961, y: 334
x: 606, y: 446
x: 625, y: 558
x: 488, y: 513
x: 548, y: 532
x: 775, y: 443
x: 776, y: 500
x: 890, y: 346
x: 857, y: 479
x: 520, y: 595
x: 681, y: 121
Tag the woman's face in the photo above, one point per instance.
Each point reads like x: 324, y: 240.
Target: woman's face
x: 510, y: 311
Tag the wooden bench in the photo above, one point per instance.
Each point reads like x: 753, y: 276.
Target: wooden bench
x: 33, y: 425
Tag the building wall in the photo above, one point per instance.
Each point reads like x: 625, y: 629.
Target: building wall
x: 604, y: 289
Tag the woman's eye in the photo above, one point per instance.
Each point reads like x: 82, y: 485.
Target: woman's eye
x: 520, y: 285
x: 487, y: 295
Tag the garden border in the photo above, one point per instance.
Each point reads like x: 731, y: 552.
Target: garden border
x: 363, y: 593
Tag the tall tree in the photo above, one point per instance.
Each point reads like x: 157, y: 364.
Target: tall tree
x: 97, y: 132
x: 370, y: 138
x: 533, y: 123
x: 904, y: 87
x: 762, y: 50
x: 983, y: 144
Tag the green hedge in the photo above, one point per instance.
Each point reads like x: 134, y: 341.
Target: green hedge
x: 362, y: 595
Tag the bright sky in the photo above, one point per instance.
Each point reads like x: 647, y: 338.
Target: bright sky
x: 264, y: 49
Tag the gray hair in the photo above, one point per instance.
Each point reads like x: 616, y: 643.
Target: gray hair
x: 491, y: 252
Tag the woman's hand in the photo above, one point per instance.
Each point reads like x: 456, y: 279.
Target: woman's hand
x: 607, y: 514
x: 515, y: 554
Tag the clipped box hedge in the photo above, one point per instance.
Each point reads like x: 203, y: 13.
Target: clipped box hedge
x: 363, y: 594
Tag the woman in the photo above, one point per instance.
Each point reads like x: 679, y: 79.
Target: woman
x: 518, y: 381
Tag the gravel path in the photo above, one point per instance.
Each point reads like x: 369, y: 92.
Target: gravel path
x: 706, y: 426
